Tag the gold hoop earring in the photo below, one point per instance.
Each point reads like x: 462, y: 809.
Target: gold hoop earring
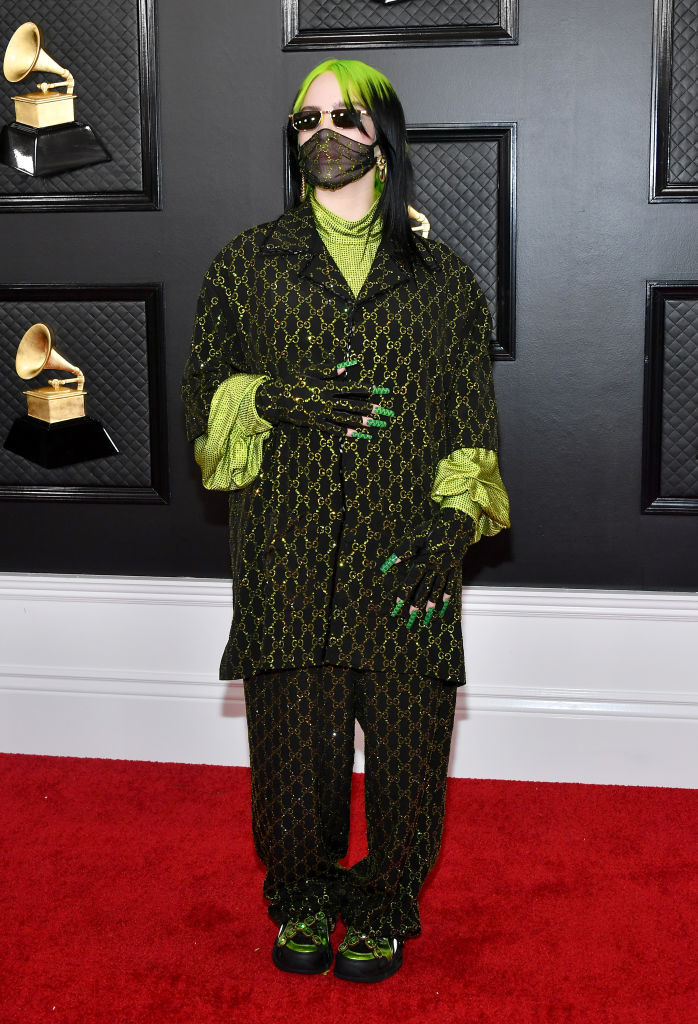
x: 382, y: 165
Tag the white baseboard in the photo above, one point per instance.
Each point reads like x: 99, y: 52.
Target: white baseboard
x: 563, y: 685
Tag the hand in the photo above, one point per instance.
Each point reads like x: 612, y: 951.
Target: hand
x: 429, y: 557
x: 322, y: 397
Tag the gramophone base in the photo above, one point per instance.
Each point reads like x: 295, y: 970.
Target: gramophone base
x: 52, y: 445
x: 41, y: 152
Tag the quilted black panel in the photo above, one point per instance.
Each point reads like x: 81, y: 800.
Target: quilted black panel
x: 328, y: 15
x: 107, y: 340
x: 457, y: 185
x: 683, y: 136
x: 98, y: 43
x: 679, y: 449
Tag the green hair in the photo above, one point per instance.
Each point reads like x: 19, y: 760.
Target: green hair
x: 353, y: 76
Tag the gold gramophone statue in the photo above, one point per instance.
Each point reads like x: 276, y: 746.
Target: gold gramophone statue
x: 422, y: 227
x: 55, y: 432
x: 44, y: 138
x: 57, y: 402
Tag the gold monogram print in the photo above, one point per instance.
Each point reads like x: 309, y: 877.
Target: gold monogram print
x: 319, y: 513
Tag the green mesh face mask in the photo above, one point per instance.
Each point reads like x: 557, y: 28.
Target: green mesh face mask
x: 330, y: 160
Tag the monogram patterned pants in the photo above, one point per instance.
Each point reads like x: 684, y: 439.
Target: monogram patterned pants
x: 301, y: 737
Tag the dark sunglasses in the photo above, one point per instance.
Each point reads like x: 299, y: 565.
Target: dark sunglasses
x: 309, y: 117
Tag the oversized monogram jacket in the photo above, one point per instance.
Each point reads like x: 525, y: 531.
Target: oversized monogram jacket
x: 313, y: 516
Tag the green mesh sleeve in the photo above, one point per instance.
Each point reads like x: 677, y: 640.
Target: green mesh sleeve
x: 229, y: 454
x: 468, y: 479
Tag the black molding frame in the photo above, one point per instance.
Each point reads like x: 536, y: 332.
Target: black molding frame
x: 504, y: 345
x: 150, y: 197
x: 504, y: 32
x: 151, y: 295
x: 651, y: 500
x: 661, y: 190
x: 504, y: 133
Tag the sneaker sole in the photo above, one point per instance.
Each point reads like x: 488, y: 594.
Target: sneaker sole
x: 301, y: 963
x: 353, y: 970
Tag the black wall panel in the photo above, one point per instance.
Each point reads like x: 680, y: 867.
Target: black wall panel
x: 670, y: 480
x: 578, y: 86
x: 109, y: 50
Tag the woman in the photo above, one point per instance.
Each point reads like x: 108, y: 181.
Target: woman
x: 339, y: 387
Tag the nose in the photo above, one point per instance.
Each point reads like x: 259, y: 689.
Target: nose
x: 321, y: 123
x: 307, y: 132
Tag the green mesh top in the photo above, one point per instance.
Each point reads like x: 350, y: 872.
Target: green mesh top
x: 230, y: 452
x: 352, y: 244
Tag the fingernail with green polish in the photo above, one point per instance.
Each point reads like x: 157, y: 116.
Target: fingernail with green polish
x: 445, y: 606
x: 384, y: 412
x: 359, y: 433
x: 347, y: 362
x: 427, y: 617
x: 376, y: 423
x: 388, y: 562
x: 381, y: 391
x: 413, y: 616
x: 398, y: 606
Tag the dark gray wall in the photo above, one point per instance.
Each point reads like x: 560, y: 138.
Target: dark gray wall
x: 578, y: 84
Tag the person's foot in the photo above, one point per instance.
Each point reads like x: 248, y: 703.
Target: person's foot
x: 363, y: 956
x: 303, y: 945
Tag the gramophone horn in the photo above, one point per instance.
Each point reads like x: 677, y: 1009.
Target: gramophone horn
x: 36, y: 352
x: 25, y: 53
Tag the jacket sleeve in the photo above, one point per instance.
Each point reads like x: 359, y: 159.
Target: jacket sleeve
x: 217, y: 389
x: 468, y: 477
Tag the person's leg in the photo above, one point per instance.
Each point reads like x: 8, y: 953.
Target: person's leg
x: 301, y: 738
x: 407, y: 724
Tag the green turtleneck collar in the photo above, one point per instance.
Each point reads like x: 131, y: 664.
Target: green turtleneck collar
x: 351, y: 243
x: 348, y: 228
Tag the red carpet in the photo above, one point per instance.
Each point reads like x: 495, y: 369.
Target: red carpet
x: 131, y: 894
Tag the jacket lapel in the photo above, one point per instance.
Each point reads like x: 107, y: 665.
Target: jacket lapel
x: 323, y: 270
x: 386, y: 273
x: 295, y: 232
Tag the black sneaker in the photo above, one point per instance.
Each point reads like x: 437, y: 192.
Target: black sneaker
x: 363, y: 956
x: 303, y: 946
